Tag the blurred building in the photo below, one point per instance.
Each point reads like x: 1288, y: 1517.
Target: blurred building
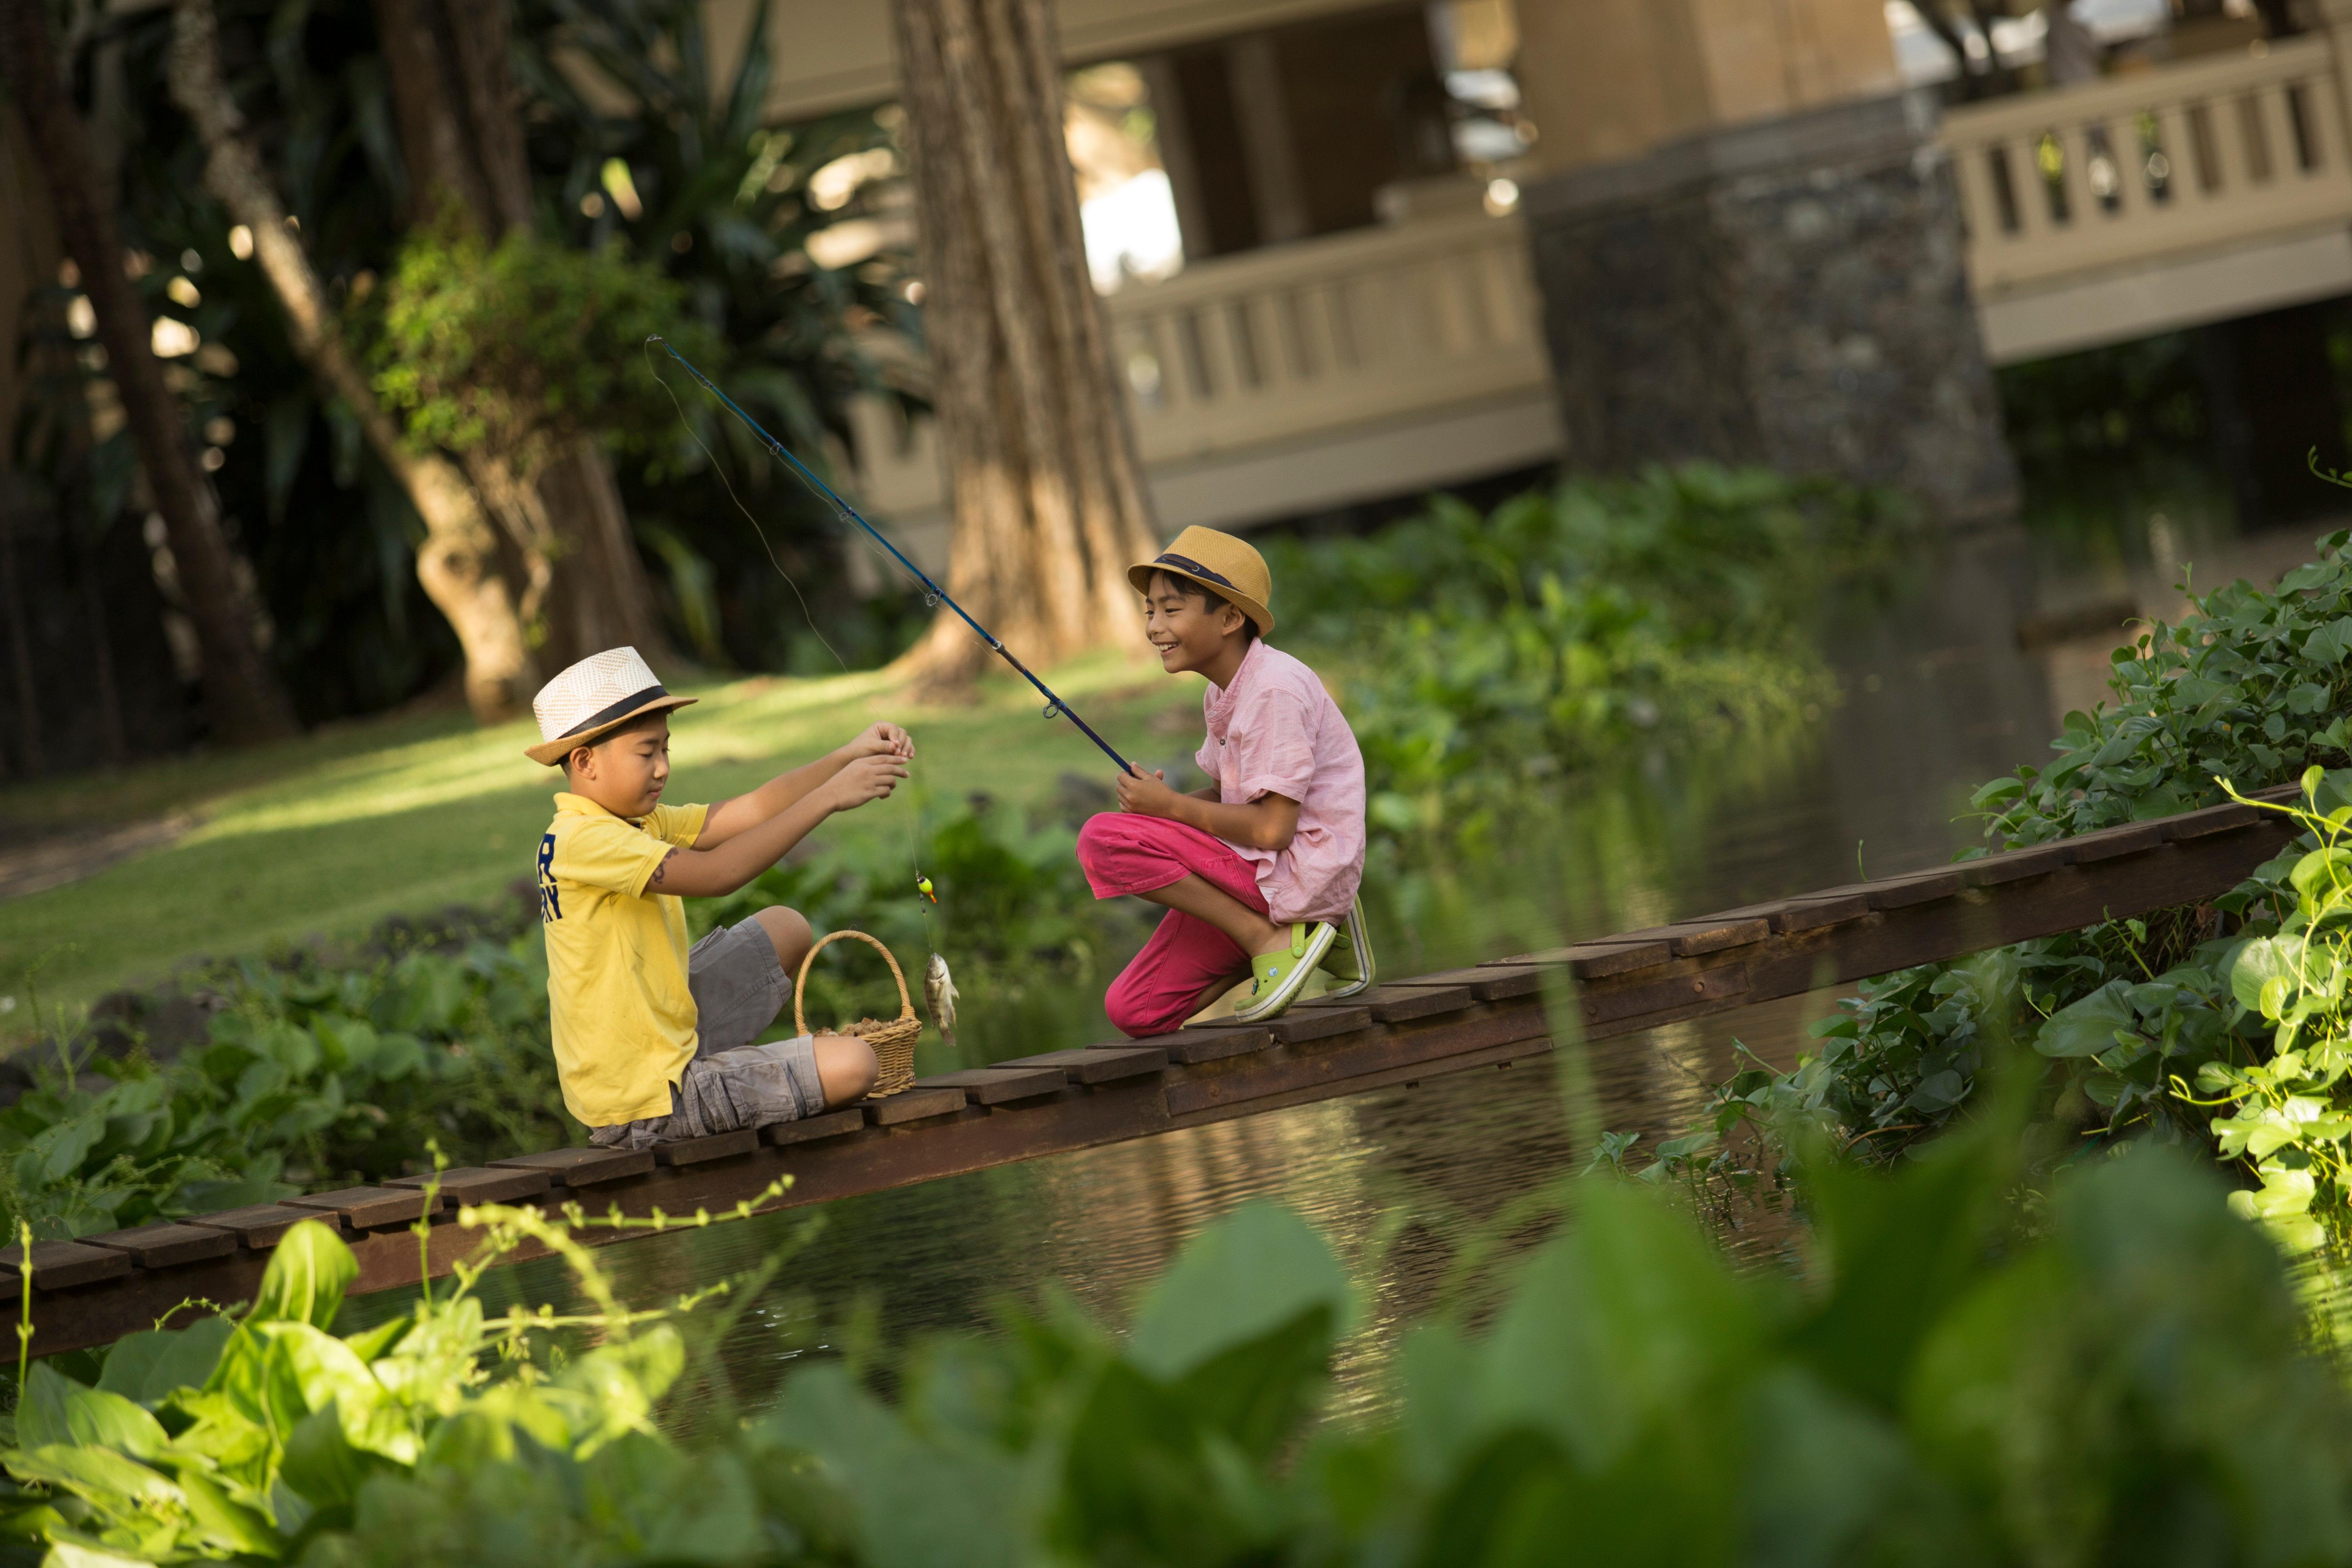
x: 1362, y: 250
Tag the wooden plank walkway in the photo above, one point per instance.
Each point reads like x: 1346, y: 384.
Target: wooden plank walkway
x: 97, y: 1288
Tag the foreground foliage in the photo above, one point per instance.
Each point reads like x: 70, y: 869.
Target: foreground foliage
x: 2122, y: 1382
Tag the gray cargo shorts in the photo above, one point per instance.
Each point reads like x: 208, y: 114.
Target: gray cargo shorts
x: 738, y: 988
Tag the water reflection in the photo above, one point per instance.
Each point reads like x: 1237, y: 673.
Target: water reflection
x: 1939, y: 695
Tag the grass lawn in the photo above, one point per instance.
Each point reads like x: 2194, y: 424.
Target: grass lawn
x: 330, y: 833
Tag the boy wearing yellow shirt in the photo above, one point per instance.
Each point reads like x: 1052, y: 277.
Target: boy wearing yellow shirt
x: 653, y: 1039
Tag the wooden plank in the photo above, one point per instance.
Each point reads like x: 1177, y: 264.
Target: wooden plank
x: 367, y: 1208
x: 912, y: 1105
x: 813, y: 1129
x: 712, y: 1146
x: 1487, y: 983
x: 2018, y: 865
x: 481, y: 1185
x: 1402, y: 1004
x: 1919, y: 887
x: 1097, y: 1064
x: 1300, y: 1024
x: 2214, y: 819
x: 2113, y: 843
x: 995, y: 1086
x: 1692, y: 939
x: 166, y: 1246
x: 62, y: 1265
x: 257, y: 1226
x: 1332, y: 1064
x: 583, y: 1167
x: 1817, y: 913
x: 1600, y: 960
x: 1718, y: 985
x: 1208, y: 1044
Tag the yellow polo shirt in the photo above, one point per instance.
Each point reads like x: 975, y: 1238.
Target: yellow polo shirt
x: 622, y: 1020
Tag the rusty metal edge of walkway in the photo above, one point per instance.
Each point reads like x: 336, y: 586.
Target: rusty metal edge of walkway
x: 100, y: 1287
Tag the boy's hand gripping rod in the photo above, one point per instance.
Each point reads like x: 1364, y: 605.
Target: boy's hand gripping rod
x: 1054, y: 705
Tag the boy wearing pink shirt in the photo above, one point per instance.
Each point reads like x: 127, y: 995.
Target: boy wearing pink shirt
x: 1259, y: 871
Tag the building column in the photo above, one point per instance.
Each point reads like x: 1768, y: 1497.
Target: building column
x: 1750, y: 248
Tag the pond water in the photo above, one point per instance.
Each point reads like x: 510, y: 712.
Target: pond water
x: 1960, y: 674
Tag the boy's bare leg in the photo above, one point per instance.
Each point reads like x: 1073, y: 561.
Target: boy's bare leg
x: 789, y: 931
x: 1203, y: 899
x: 845, y: 1064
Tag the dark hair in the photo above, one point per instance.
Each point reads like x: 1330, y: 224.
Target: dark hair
x: 1216, y: 601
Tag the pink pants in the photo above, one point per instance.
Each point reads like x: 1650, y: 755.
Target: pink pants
x: 1125, y: 854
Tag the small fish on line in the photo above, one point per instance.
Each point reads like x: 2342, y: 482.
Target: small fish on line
x: 939, y: 995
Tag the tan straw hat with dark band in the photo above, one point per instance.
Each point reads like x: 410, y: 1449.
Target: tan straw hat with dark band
x: 599, y: 693
x: 1230, y: 567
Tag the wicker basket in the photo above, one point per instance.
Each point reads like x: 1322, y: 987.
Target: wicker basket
x: 893, y: 1039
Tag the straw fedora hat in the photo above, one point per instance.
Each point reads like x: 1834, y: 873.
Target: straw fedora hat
x: 599, y: 694
x: 1230, y: 567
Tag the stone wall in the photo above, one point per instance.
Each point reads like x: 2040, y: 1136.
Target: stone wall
x: 1789, y: 293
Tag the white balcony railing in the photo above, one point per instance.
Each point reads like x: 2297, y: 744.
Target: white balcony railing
x: 2154, y: 166
x: 1283, y: 347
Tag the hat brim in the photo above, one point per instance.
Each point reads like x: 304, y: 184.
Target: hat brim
x: 550, y: 753
x: 1141, y: 575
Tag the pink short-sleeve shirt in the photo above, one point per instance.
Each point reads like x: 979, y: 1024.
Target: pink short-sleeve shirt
x: 1274, y: 731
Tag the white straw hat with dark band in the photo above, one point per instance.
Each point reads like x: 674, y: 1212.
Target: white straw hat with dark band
x: 599, y: 693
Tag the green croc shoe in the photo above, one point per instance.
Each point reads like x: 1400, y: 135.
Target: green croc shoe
x: 1350, y: 965
x: 1283, y: 973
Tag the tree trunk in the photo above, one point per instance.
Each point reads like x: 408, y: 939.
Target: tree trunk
x: 242, y: 696
x: 458, y: 563
x: 20, y: 650
x: 1048, y: 496
x: 460, y: 122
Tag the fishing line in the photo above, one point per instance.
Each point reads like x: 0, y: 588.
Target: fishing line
x: 1055, y: 706
x: 924, y: 897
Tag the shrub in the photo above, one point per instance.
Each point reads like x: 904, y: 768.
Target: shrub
x: 1571, y: 628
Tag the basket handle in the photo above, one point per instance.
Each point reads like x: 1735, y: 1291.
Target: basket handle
x: 799, y: 982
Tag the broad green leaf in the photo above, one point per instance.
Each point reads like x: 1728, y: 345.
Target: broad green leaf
x: 2258, y: 963
x: 308, y: 1272
x: 56, y: 1409
x: 147, y: 1365
x: 101, y: 1475
x: 1615, y: 1324
x: 2089, y: 1026
x: 1251, y: 1272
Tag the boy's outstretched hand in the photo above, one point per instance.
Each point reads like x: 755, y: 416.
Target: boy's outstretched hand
x: 870, y: 778
x: 881, y: 740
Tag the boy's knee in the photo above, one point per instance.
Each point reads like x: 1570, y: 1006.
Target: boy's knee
x: 788, y: 932
x: 845, y: 1067
x: 1099, y: 836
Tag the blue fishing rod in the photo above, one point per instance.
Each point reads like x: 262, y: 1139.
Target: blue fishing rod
x: 1055, y: 706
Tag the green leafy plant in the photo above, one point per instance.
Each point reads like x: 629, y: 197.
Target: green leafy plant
x: 511, y: 350
x: 306, y: 1074
x: 1573, y: 628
